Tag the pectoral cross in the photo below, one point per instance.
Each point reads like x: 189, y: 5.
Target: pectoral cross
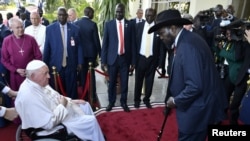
x: 21, y: 51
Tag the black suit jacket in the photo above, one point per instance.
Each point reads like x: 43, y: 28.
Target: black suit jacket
x: 4, y: 32
x: 27, y: 23
x: 45, y: 21
x: 89, y: 37
x: 157, y: 44
x: 1, y: 86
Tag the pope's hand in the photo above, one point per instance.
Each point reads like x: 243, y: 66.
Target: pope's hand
x: 170, y: 102
x: 22, y: 72
x: 63, y: 101
x: 12, y: 94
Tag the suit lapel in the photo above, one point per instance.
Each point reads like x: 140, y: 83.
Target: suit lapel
x: 126, y: 31
x: 113, y: 24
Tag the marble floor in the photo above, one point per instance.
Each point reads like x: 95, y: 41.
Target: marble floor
x: 158, y: 94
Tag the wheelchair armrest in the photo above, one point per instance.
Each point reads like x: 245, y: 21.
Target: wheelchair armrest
x: 39, y: 133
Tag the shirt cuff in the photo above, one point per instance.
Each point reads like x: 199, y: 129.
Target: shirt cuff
x: 6, y: 89
x: 2, y: 111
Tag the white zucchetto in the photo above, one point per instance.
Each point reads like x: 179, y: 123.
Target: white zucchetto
x: 35, y: 64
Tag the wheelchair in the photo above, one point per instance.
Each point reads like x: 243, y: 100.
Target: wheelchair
x: 32, y: 134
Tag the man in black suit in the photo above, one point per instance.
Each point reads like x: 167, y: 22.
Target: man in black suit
x: 135, y: 21
x: 25, y: 20
x: 4, y: 32
x: 44, y: 21
x: 193, y: 98
x: 118, y: 55
x: 147, y: 58
x: 91, y: 45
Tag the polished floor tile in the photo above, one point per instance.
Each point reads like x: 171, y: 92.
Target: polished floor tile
x: 158, y: 94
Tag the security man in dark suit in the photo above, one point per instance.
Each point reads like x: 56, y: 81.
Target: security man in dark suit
x: 44, y: 21
x: 147, y: 58
x: 4, y: 32
x: 91, y: 45
x: 118, y: 55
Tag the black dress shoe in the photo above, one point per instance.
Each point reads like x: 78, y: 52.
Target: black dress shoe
x: 109, y: 107
x: 137, y: 105
x: 148, y: 105
x: 125, y: 107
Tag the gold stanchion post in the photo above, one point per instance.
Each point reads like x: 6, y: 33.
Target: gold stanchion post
x: 91, y: 94
x: 54, y: 76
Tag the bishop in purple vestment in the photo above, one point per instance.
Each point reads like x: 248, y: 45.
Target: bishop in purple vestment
x: 18, y: 49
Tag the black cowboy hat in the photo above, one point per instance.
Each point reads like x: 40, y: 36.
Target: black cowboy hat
x: 168, y: 17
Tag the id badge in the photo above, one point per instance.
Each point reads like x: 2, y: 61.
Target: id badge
x: 72, y: 41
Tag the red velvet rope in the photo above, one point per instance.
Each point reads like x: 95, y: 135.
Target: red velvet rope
x: 102, y: 73
x: 86, y: 87
x: 58, y: 79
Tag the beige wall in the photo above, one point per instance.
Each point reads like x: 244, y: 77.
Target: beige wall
x: 134, y: 5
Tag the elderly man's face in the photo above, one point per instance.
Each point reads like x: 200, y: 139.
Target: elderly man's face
x: 71, y: 15
x: 35, y: 19
x: 166, y: 35
x: 41, y: 77
x: 17, y: 28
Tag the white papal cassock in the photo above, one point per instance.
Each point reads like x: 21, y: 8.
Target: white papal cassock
x: 38, y: 107
x: 38, y: 32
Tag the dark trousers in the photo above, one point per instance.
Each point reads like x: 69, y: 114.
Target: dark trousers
x: 69, y: 80
x: 145, y: 70
x: 122, y: 67
x: 239, y: 93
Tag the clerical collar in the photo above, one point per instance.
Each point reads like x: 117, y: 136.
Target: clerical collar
x: 18, y: 37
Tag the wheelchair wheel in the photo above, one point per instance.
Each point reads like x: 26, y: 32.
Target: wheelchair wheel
x: 20, y: 135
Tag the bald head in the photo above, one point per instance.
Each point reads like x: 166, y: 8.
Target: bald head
x: 35, y: 18
x: 72, y: 15
x: 139, y: 13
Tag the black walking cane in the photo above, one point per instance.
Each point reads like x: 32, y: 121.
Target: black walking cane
x: 166, y: 113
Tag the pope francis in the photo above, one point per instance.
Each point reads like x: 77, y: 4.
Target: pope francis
x: 39, y: 106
